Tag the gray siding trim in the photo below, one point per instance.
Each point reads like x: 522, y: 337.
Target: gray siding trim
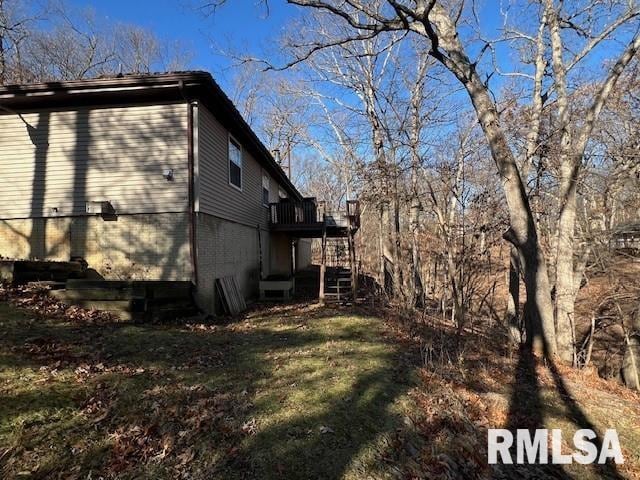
x: 217, y: 196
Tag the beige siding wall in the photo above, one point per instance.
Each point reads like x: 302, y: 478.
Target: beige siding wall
x: 303, y: 253
x: 53, y: 162
x: 280, y: 254
x: 140, y: 247
x: 273, y: 190
x: 227, y: 249
x: 216, y: 196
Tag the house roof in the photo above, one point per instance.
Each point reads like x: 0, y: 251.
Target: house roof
x: 133, y: 89
x: 632, y: 228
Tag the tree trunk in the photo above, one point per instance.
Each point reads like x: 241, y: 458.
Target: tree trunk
x: 512, y: 320
x: 567, y: 196
x: 381, y: 236
x: 417, y: 299
x: 565, y: 269
x: 631, y: 363
x: 456, y: 291
x: 631, y: 360
x: 522, y: 232
x: 398, y: 292
x: 3, y: 63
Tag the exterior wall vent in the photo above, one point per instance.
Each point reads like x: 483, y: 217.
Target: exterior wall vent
x: 100, y: 208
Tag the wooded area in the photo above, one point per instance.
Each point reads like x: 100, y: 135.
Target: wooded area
x: 472, y: 151
x: 494, y: 151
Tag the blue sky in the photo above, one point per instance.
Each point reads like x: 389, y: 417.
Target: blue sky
x: 245, y: 27
x: 242, y: 24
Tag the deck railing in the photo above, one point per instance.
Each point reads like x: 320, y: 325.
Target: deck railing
x: 353, y: 212
x: 310, y: 212
x: 286, y: 212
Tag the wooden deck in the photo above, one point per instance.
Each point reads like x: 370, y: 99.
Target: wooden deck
x: 311, y: 219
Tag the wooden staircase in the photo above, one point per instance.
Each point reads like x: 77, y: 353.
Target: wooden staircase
x: 338, y: 285
x: 312, y: 219
x: 338, y: 276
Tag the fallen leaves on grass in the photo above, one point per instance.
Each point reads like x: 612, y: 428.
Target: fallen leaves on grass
x: 54, y: 353
x: 324, y: 429
x: 35, y: 299
x: 250, y: 427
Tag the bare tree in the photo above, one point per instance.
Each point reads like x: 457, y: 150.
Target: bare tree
x: 439, y: 26
x: 15, y: 24
x: 67, y: 44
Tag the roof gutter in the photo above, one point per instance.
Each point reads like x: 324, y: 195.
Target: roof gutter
x: 191, y: 210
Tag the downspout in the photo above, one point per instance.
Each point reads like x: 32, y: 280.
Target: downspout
x: 191, y: 211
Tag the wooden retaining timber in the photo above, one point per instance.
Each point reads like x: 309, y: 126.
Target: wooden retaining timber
x: 137, y: 300
x: 24, y: 271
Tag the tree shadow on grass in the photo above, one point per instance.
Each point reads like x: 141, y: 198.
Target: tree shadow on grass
x: 474, y: 378
x: 528, y: 409
x: 343, y: 425
x: 241, y: 401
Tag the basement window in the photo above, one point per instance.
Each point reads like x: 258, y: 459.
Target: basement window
x: 235, y: 163
x: 265, y: 189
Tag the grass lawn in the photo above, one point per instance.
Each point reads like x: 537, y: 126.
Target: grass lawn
x: 290, y: 393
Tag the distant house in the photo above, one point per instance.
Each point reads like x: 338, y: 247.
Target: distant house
x: 153, y: 177
x: 626, y: 237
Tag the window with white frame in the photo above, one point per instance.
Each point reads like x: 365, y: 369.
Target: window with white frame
x: 235, y: 163
x: 266, y: 181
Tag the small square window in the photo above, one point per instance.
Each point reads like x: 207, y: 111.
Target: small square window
x: 235, y: 163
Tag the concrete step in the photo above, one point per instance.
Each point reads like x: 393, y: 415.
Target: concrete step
x: 123, y: 309
x: 136, y: 288
x: 171, y: 312
x: 50, y: 284
x: 140, y: 310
